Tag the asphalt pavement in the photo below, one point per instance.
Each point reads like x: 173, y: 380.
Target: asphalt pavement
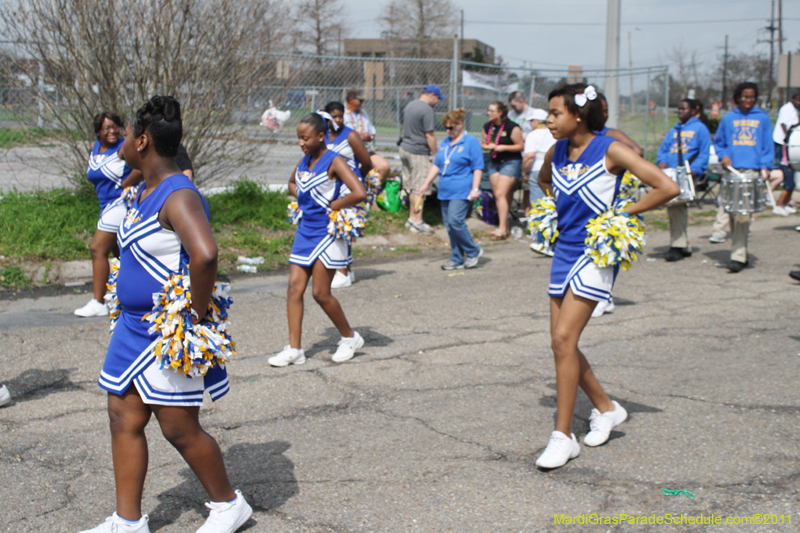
x: 436, y: 423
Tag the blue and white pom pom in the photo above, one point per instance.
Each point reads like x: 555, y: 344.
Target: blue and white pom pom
x: 372, y: 183
x: 129, y: 194
x: 293, y: 213
x: 111, y: 300
x: 348, y: 223
x: 543, y: 224
x: 184, y: 347
x: 615, y: 237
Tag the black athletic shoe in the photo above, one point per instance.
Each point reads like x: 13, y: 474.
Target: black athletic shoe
x: 676, y: 254
x: 795, y: 275
x: 736, y: 266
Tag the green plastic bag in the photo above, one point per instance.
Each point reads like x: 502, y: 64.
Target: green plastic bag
x: 389, y: 199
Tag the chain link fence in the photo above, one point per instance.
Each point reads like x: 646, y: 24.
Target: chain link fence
x: 303, y: 83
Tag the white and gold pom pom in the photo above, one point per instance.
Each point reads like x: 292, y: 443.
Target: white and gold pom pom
x: 629, y: 185
x: 185, y: 347
x: 129, y: 194
x: 111, y: 300
x: 372, y: 183
x: 348, y: 223
x: 615, y: 237
x: 293, y: 213
x: 543, y: 225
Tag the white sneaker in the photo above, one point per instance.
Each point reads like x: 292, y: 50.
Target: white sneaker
x: 780, y: 210
x: 716, y: 239
x: 93, y: 308
x: 601, y: 424
x: 472, y: 262
x: 603, y: 306
x: 352, y: 276
x: 347, y: 348
x: 340, y: 281
x: 790, y: 209
x: 5, y: 396
x: 559, y: 450
x: 227, y: 517
x: 288, y: 356
x: 115, y: 524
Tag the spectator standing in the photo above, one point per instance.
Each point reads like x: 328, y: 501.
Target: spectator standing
x: 357, y: 120
x: 787, y: 117
x: 502, y: 138
x: 520, y: 112
x: 417, y: 147
x: 459, y: 166
x: 537, y: 143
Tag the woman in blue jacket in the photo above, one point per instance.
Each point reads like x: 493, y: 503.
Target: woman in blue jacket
x: 743, y: 141
x: 459, y: 166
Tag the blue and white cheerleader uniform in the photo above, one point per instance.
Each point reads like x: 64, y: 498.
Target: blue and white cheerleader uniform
x: 341, y: 146
x: 106, y: 172
x: 583, y: 190
x: 315, y: 192
x: 149, y: 255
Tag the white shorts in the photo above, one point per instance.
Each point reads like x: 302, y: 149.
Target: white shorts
x: 112, y: 216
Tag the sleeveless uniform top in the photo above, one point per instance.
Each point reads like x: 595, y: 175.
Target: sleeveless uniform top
x: 315, y: 192
x: 106, y: 172
x: 341, y: 146
x: 583, y: 189
x: 149, y: 255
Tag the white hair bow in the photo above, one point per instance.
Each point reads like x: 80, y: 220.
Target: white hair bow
x: 327, y: 116
x: 588, y: 94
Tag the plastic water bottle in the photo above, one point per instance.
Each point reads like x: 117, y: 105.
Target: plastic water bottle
x: 516, y: 232
x: 248, y: 269
x: 250, y: 260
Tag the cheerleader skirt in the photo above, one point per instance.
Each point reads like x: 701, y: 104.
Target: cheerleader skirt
x: 571, y: 268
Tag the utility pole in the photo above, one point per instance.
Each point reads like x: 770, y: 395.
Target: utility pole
x: 612, y: 62
x: 725, y: 73
x: 780, y: 28
x: 771, y: 29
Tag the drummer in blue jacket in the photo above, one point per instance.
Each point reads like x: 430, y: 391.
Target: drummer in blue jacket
x: 695, y: 141
x: 744, y: 142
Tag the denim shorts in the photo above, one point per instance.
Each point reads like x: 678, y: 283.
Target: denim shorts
x: 511, y: 168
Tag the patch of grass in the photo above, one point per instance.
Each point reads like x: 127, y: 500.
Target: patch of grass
x: 55, y: 224
x: 274, y: 248
x: 13, y: 277
x: 10, y: 137
x: 249, y: 206
x: 400, y: 250
x: 382, y: 222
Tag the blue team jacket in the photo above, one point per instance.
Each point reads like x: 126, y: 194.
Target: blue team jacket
x: 695, y: 143
x: 746, y: 138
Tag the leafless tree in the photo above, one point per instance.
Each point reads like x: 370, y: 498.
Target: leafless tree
x: 321, y: 25
x: 687, y: 66
x: 418, y: 22
x: 110, y: 54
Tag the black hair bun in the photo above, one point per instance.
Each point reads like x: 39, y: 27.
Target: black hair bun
x: 166, y: 107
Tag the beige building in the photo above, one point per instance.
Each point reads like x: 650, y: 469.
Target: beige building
x: 470, y: 49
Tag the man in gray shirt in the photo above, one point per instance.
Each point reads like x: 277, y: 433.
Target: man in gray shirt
x: 417, y: 148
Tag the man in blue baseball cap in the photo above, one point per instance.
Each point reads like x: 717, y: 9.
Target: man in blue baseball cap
x: 417, y: 148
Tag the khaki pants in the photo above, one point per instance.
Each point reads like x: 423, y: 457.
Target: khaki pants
x: 678, y: 225
x: 740, y: 227
x: 722, y: 222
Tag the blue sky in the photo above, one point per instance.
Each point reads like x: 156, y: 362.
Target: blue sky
x: 573, y: 31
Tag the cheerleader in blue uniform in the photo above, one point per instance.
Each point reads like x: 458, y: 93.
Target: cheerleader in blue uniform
x: 317, y: 183
x: 110, y: 175
x: 583, y: 171
x: 348, y: 144
x: 166, y: 228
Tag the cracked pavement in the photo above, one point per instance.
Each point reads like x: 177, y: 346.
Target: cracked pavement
x: 436, y: 423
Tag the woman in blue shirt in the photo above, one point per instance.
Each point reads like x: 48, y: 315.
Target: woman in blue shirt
x: 459, y: 166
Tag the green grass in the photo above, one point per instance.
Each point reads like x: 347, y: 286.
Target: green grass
x: 13, y: 277
x: 56, y: 224
x: 11, y: 137
x: 248, y: 205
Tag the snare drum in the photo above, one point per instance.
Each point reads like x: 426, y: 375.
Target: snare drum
x: 793, y: 148
x: 744, y: 195
x: 714, y: 166
x: 684, y: 181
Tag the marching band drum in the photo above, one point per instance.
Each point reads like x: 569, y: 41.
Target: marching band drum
x: 683, y: 178
x: 793, y: 148
x: 744, y: 192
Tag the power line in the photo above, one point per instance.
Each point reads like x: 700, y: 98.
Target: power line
x: 681, y: 22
